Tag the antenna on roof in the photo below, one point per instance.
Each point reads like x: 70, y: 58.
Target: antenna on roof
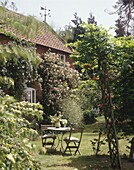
x: 46, y: 13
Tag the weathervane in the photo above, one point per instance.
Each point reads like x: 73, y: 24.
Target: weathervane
x: 46, y: 13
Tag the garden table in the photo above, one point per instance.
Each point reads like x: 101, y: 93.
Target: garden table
x: 60, y: 133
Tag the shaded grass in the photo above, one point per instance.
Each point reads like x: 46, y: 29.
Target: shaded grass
x: 87, y: 160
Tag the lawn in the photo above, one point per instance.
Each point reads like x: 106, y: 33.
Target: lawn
x: 87, y: 160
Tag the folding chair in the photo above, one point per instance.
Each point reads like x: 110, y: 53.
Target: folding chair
x: 73, y: 142
x: 48, y: 138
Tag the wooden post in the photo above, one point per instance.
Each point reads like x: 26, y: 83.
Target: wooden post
x: 131, y: 156
x: 109, y: 119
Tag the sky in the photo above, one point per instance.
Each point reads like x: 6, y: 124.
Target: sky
x: 62, y: 11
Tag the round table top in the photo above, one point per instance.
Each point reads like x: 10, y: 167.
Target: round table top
x: 62, y: 129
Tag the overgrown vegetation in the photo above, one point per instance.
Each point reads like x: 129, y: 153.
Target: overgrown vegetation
x: 106, y: 67
x: 72, y: 111
x: 16, y: 133
x: 20, y: 64
x: 58, y: 82
x: 106, y: 61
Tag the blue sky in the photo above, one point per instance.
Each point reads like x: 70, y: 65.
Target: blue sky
x: 62, y: 11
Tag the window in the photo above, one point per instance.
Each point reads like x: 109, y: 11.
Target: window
x: 30, y: 95
x: 63, y: 57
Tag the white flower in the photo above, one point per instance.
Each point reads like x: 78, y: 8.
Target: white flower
x: 64, y: 121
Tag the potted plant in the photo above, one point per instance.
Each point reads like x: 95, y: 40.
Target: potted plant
x: 64, y: 122
x: 56, y: 119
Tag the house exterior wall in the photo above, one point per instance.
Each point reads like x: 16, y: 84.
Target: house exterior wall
x: 39, y: 49
x: 42, y: 49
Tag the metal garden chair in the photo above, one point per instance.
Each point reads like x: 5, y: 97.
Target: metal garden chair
x: 48, y: 138
x: 73, y: 140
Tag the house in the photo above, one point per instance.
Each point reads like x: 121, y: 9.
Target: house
x: 15, y: 26
x: 45, y: 38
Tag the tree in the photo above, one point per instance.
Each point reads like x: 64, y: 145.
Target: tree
x: 94, y: 53
x: 109, y: 62
x: 91, y: 19
x: 120, y: 29
x: 125, y: 9
x: 123, y: 87
x: 71, y: 33
x: 78, y: 29
x: 67, y: 33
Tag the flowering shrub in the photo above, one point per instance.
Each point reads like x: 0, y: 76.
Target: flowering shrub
x: 18, y: 65
x: 30, y: 111
x: 58, y: 81
x: 15, y: 134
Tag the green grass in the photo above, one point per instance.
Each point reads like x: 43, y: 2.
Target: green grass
x: 87, y: 160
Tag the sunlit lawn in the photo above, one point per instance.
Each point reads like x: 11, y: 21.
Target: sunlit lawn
x: 87, y: 160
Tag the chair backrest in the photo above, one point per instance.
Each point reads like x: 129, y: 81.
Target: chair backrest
x: 78, y: 131
x: 44, y: 128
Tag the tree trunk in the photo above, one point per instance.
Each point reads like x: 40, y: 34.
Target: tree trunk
x: 131, y: 156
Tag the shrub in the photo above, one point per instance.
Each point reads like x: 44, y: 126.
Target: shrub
x: 18, y: 66
x: 89, y: 117
x: 15, y: 135
x: 72, y: 111
x: 58, y: 81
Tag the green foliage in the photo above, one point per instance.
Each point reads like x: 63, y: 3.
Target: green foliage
x: 6, y: 82
x: 67, y: 34
x: 92, y: 47
x: 71, y: 32
x: 89, y: 117
x: 104, y: 58
x: 72, y: 111
x: 108, y: 61
x: 89, y: 94
x: 30, y: 111
x: 15, y: 134
x: 19, y: 64
x: 27, y: 26
x: 58, y: 81
x: 92, y: 53
x: 123, y: 86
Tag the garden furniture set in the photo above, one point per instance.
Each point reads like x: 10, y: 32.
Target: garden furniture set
x: 54, y: 138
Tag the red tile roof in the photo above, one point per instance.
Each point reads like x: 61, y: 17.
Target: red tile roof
x: 44, y: 36
x: 50, y: 39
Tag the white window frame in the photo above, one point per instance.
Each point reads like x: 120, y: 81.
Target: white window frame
x: 62, y: 57
x: 30, y: 95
